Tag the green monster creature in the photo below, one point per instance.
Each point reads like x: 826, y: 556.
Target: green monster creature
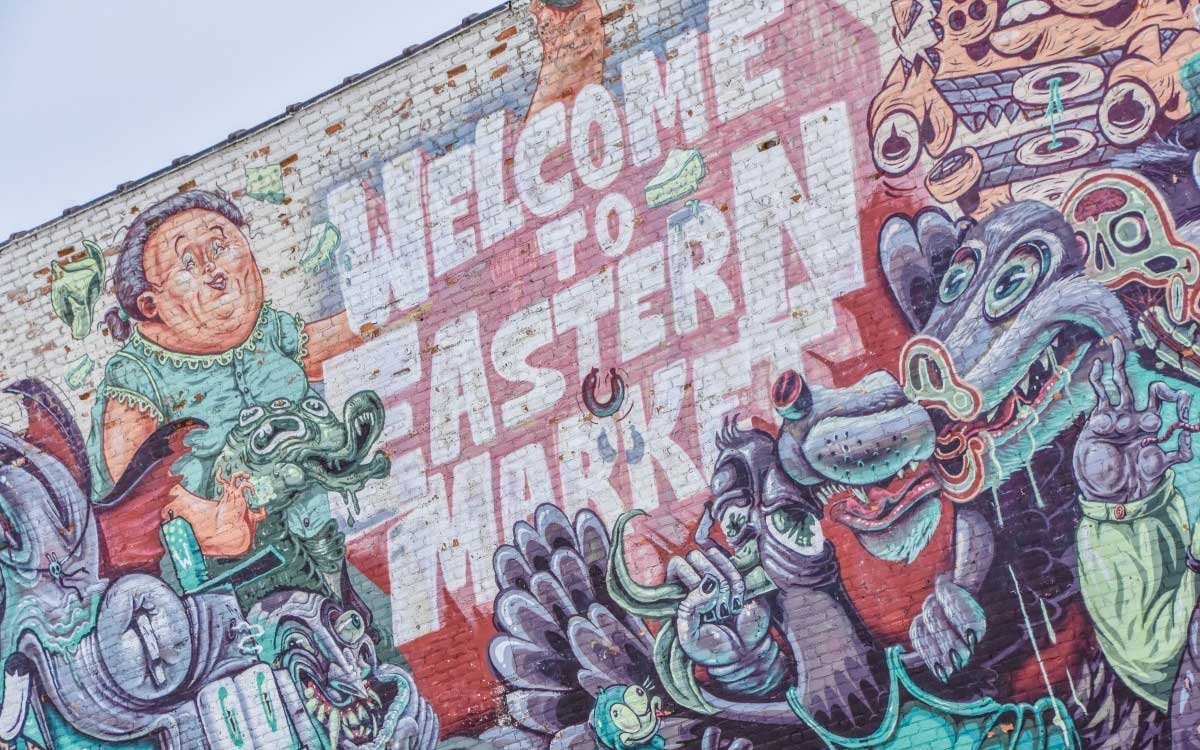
x: 75, y: 287
x: 291, y: 456
x: 626, y: 718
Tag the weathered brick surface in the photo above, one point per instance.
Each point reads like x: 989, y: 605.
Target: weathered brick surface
x: 663, y: 374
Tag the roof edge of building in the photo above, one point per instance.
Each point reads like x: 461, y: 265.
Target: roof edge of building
x: 290, y: 111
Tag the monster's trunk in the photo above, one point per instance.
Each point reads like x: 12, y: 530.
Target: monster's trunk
x: 841, y: 676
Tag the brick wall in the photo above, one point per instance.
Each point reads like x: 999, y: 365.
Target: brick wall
x: 720, y: 375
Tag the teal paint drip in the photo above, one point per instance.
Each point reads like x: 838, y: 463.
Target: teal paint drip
x: 1054, y: 110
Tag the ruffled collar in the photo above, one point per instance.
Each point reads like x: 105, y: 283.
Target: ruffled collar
x: 201, y: 361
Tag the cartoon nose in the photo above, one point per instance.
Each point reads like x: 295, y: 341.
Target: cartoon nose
x: 928, y: 377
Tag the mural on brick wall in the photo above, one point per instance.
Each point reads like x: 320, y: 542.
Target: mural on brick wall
x: 755, y: 374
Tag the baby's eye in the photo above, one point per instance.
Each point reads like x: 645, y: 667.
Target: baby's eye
x: 218, y: 248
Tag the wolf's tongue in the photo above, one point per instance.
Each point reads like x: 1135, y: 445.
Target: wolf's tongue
x: 888, y: 493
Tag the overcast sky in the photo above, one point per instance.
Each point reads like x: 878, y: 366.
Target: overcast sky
x: 94, y: 94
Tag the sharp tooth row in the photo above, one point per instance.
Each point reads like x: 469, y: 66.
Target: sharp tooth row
x: 1023, y: 385
x: 991, y: 415
x: 356, y: 719
x: 826, y: 491
x: 909, y: 468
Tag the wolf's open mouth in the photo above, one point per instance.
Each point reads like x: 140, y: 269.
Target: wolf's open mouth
x: 1045, y: 381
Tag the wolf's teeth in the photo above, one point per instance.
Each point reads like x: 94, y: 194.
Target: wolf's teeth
x: 991, y: 415
x: 912, y: 466
x: 1023, y: 386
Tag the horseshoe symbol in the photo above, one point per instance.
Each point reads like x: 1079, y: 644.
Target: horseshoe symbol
x: 616, y: 393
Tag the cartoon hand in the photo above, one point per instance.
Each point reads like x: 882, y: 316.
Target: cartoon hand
x: 712, y: 741
x: 235, y: 492
x: 1117, y: 457
x: 718, y: 628
x: 950, y: 626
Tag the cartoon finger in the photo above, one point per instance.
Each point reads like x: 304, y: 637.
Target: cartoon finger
x: 680, y: 570
x: 705, y: 567
x: 711, y: 739
x: 402, y: 736
x: 1096, y: 378
x: 1183, y: 450
x: 737, y: 586
x: 965, y: 614
x: 1157, y: 393
x: 431, y: 727
x: 1124, y: 394
x: 696, y: 607
x: 949, y: 649
x: 925, y: 645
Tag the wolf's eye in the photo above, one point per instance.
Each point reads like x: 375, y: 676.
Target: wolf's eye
x: 1015, y: 280
x: 958, y: 277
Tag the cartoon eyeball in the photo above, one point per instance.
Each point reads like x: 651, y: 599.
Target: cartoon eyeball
x: 315, y: 406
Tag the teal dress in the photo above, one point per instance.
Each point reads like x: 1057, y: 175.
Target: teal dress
x: 214, y: 388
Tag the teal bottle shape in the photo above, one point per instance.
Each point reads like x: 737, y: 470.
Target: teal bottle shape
x: 183, y: 549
